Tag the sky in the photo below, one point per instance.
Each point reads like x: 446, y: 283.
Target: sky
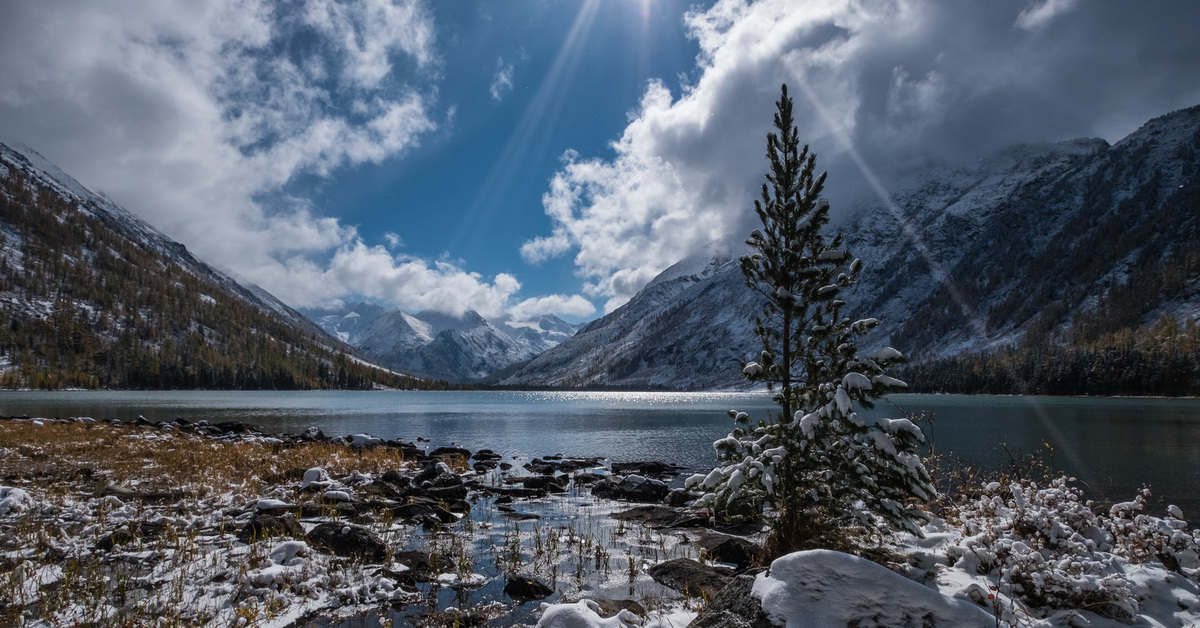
x: 532, y: 157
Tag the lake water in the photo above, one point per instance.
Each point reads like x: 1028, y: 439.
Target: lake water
x: 1112, y: 445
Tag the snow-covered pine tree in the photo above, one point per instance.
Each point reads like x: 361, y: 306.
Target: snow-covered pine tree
x: 817, y: 465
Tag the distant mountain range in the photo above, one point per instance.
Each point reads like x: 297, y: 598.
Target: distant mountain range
x: 92, y: 296
x: 1044, y: 245
x: 1037, y: 242
x: 457, y: 349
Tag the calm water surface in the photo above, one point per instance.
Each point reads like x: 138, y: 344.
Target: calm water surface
x: 1113, y: 445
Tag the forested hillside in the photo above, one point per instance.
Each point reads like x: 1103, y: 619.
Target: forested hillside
x: 91, y: 297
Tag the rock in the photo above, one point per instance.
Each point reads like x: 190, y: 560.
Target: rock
x: 312, y: 434
x: 418, y: 508
x: 634, y: 488
x: 450, y: 452
x: 734, y: 607
x: 417, y: 563
x: 486, y: 454
x: 446, y: 487
x: 130, y: 533
x: 730, y: 549
x: 661, y: 516
x: 519, y: 516
x: 345, y: 539
x: 651, y: 468
x: 583, y: 479
x: 394, y: 477
x: 608, y: 607
x: 525, y: 588
x: 265, y: 526
x: 691, y: 577
x: 232, y: 427
x: 548, y: 483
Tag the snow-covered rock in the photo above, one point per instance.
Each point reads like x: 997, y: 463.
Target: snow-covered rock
x: 827, y: 588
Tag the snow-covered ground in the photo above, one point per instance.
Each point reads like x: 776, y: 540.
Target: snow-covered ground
x: 76, y: 549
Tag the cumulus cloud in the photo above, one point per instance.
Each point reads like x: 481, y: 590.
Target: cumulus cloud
x: 556, y: 304
x: 502, y: 80
x: 889, y: 85
x: 192, y: 113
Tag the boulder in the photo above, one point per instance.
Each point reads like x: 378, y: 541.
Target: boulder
x: 450, y: 452
x: 547, y: 483
x: 730, y: 549
x: 651, y: 468
x: 525, y: 588
x: 690, y: 577
x: 734, y: 607
x: 264, y: 526
x: 345, y: 539
x: 661, y: 516
x: 634, y: 488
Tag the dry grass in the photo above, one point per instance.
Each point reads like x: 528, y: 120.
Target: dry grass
x: 155, y: 458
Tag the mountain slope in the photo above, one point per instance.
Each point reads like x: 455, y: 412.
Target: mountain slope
x: 1053, y: 242
x: 685, y: 330
x: 91, y: 296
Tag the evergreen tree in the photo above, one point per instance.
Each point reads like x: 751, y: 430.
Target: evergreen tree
x: 817, y: 464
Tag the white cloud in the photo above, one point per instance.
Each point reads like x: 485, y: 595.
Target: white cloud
x: 895, y: 82
x: 502, y: 80
x: 1039, y: 14
x: 556, y: 304
x: 188, y: 113
x: 393, y: 240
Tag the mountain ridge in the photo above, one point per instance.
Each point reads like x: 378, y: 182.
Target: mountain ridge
x: 1027, y: 243
x: 92, y: 296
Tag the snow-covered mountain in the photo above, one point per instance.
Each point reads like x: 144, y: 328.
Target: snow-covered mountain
x: 685, y: 330
x: 1037, y: 239
x: 438, y: 345
x: 92, y: 296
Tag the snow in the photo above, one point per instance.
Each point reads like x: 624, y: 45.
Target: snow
x: 586, y: 614
x: 14, y: 499
x: 827, y: 588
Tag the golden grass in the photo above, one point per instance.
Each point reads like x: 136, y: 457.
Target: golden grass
x: 168, y: 459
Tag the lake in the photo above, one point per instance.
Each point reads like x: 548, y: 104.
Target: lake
x: 1112, y: 445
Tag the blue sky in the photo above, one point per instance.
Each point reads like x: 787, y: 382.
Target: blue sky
x: 534, y: 157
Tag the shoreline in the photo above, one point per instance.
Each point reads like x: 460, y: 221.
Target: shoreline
x: 381, y: 513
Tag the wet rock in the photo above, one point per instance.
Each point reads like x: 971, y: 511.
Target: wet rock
x: 548, y: 483
x: 418, y: 565
x: 661, y: 516
x: 650, y: 468
x: 446, y: 487
x: 450, y: 452
x: 691, y: 577
x: 583, y: 479
x: 232, y: 427
x: 264, y: 526
x: 734, y: 607
x: 634, y: 488
x: 486, y: 454
x: 541, y: 467
x: 526, y: 588
x: 345, y: 539
x: 519, y: 516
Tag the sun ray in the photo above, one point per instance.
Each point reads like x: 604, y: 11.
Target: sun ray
x: 529, y: 138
